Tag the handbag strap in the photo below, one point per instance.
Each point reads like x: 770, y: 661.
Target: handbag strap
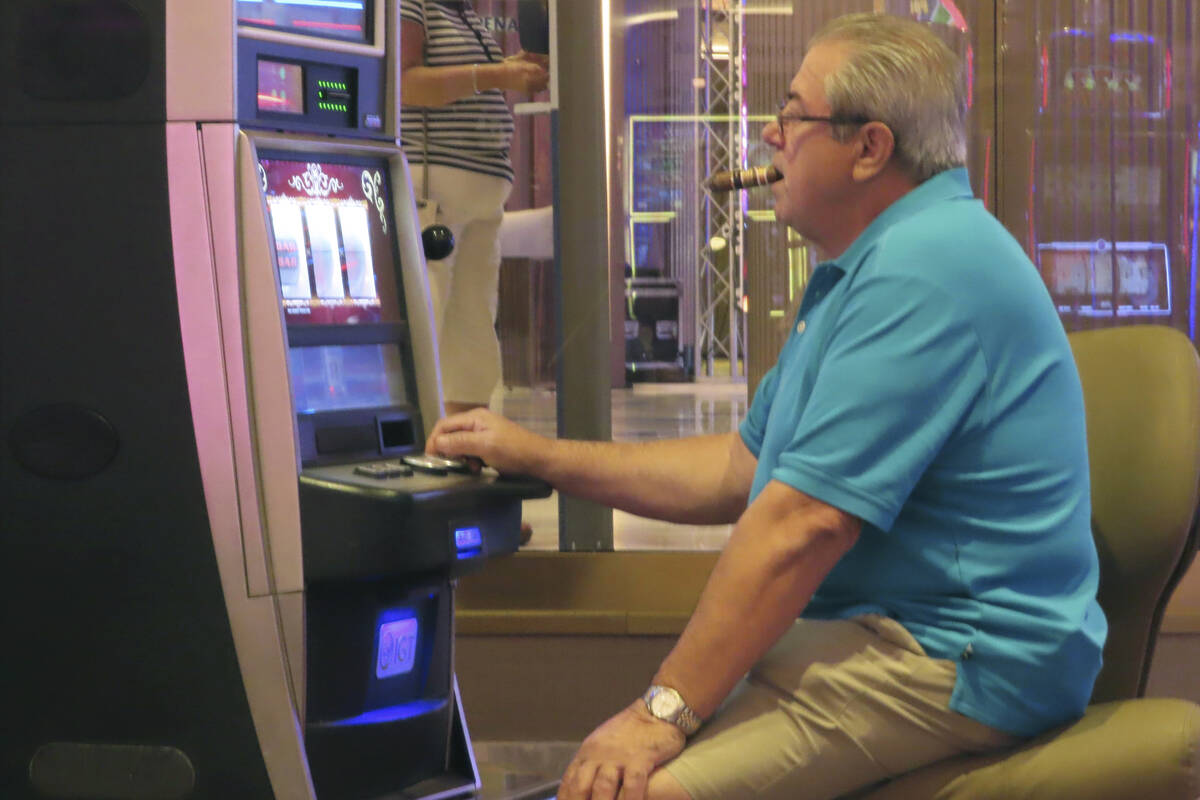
x: 462, y: 13
x: 424, y: 155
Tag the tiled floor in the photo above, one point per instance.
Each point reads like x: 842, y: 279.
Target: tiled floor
x: 643, y: 412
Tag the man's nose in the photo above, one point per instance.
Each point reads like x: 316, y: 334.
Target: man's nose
x: 772, y: 135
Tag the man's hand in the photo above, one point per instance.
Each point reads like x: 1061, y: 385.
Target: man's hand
x: 619, y: 756
x: 501, y: 444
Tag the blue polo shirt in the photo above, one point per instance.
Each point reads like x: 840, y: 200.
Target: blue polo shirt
x: 928, y: 388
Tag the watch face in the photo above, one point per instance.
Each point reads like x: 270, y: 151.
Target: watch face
x: 664, y: 704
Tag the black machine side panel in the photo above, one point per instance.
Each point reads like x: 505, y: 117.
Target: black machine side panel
x: 114, y: 626
x: 82, y: 61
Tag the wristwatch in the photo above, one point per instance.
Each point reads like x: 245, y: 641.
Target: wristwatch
x: 665, y: 703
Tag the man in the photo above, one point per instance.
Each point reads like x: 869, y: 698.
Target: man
x: 911, y: 479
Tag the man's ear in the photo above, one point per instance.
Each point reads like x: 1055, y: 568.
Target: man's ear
x: 875, y: 146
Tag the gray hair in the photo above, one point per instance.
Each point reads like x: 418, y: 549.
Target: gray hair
x: 900, y: 73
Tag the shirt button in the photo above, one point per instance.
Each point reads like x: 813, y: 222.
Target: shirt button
x: 801, y: 326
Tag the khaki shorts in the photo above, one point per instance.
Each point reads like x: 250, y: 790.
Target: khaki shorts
x: 832, y: 707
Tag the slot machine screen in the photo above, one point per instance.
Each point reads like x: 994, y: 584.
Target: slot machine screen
x: 347, y: 20
x: 335, y: 251
x: 1080, y: 276
x: 334, y: 240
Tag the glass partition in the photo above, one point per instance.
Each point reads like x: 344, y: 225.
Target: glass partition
x: 712, y: 279
x: 1084, y: 132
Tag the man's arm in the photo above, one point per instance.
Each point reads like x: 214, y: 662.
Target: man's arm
x: 698, y: 480
x: 781, y: 549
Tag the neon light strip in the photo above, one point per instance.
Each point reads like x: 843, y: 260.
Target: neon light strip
x: 1045, y: 78
x: 1093, y: 246
x: 350, y: 4
x: 651, y: 16
x: 1031, y: 212
x: 1131, y: 37
x: 987, y: 174
x: 606, y: 84
x: 341, y: 26
x: 960, y: 21
x: 1122, y: 311
x: 970, y: 76
x: 391, y: 714
x: 1168, y: 79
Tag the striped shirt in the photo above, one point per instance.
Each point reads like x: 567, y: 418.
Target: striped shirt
x: 474, y: 132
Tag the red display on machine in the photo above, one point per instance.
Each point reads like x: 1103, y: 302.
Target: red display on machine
x: 280, y: 87
x: 333, y: 241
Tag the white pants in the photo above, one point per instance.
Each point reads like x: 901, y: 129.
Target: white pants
x: 465, y: 285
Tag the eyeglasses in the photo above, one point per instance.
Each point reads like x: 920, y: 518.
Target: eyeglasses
x: 782, y: 118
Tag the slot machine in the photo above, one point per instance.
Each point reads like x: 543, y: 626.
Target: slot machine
x: 1104, y: 170
x: 227, y: 569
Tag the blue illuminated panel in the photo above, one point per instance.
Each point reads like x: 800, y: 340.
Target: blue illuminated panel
x: 467, y: 538
x: 393, y: 713
x: 397, y: 649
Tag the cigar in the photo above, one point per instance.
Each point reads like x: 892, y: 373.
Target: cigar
x: 742, y: 178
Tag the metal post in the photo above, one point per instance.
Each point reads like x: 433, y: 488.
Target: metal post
x: 581, y: 254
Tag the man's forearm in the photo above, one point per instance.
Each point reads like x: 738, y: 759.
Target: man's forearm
x: 774, y: 562
x: 698, y: 480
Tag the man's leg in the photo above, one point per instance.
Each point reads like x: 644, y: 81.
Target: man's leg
x: 834, y: 706
x: 663, y: 786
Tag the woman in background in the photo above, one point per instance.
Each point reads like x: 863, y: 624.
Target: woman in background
x: 456, y: 121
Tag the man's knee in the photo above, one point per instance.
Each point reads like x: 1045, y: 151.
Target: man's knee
x: 663, y: 786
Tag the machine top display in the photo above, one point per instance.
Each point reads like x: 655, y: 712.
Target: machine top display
x: 346, y: 20
x: 1123, y: 74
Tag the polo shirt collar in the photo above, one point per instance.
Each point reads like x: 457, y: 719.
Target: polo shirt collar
x: 950, y: 184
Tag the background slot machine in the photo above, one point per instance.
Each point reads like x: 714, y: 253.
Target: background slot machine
x: 226, y: 563
x: 1107, y: 169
